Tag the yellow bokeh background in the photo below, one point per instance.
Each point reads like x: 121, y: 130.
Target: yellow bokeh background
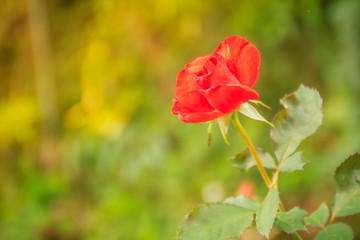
x: 89, y: 148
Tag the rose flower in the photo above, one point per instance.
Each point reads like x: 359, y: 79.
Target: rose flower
x: 213, y: 85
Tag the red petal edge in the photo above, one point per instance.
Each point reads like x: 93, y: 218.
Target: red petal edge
x: 186, y: 116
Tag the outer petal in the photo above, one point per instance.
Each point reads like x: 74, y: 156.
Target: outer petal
x: 194, y: 101
x: 197, y: 64
x: 229, y: 97
x: 187, y: 116
x: 185, y: 80
x: 247, y: 65
x: 231, y: 47
x: 202, y: 117
x: 244, y: 59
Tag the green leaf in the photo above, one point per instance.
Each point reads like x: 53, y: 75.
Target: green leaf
x: 301, y: 118
x: 292, y: 163
x: 347, y: 177
x: 251, y: 112
x: 266, y: 214
x: 244, y: 161
x: 338, y: 231
x: 242, y: 201
x: 320, y: 217
x: 240, y: 160
x: 224, y: 122
x: 291, y: 221
x: 215, y: 221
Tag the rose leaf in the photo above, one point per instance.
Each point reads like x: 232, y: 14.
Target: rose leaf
x: 301, y: 118
x: 291, y: 221
x: 244, y: 161
x: 347, y: 197
x: 242, y: 201
x: 292, y: 163
x: 215, y: 221
x: 335, y: 232
x: 266, y: 214
x: 318, y: 218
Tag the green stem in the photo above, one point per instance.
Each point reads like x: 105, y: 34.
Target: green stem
x: 260, y: 166
x: 252, y: 149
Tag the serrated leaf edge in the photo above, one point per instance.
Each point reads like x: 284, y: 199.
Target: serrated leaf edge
x: 309, y: 217
x: 333, y: 215
x: 232, y: 197
x: 305, y: 229
x: 188, y: 215
x: 286, y: 106
x: 340, y: 223
x: 256, y: 217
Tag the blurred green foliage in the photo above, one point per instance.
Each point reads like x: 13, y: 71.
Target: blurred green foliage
x: 88, y: 146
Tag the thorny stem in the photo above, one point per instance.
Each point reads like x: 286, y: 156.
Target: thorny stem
x: 264, y: 175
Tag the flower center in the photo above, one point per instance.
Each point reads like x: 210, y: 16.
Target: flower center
x: 203, y: 77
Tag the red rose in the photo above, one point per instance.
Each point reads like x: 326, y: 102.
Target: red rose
x: 216, y: 84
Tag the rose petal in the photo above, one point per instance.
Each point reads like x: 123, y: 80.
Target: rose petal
x: 222, y: 74
x: 231, y: 47
x: 185, y: 83
x: 185, y: 80
x: 179, y: 110
x: 247, y: 65
x: 202, y: 117
x: 194, y: 101
x: 197, y: 64
x: 186, y: 115
x: 244, y: 59
x: 229, y: 97
x: 219, y: 73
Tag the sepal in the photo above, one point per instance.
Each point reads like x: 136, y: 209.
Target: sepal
x: 258, y: 102
x: 224, y: 122
x: 249, y: 111
x: 209, y: 133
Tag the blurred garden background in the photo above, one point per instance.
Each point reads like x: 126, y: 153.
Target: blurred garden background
x: 88, y: 146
